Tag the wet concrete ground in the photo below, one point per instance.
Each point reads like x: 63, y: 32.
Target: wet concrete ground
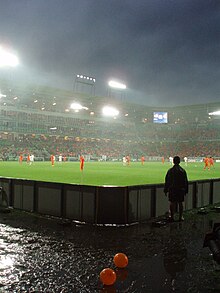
x: 39, y: 254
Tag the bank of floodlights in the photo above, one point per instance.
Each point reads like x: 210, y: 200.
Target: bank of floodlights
x: 85, y: 79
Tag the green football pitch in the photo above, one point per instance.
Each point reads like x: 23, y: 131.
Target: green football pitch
x: 102, y: 173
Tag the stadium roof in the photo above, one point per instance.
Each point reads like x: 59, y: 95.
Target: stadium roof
x: 59, y: 100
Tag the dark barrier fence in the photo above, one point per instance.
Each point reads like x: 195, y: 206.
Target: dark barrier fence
x: 103, y: 204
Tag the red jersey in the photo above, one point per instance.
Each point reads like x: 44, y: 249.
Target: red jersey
x: 82, y: 160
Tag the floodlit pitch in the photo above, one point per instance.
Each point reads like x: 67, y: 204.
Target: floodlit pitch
x: 103, y: 173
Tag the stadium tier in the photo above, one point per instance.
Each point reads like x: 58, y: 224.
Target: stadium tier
x: 40, y: 120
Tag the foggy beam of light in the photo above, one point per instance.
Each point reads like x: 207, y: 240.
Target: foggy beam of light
x: 8, y: 59
x: 117, y: 85
x: 216, y: 113
x: 2, y: 96
x: 110, y: 111
x: 77, y: 106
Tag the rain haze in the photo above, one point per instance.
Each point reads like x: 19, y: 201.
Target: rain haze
x: 166, y: 52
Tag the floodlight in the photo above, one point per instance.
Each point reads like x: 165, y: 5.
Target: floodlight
x: 216, y: 113
x: 77, y: 106
x: 2, y: 96
x: 7, y: 58
x: 110, y: 111
x: 117, y: 85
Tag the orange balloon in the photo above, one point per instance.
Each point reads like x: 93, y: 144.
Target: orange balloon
x: 120, y: 260
x: 108, y: 276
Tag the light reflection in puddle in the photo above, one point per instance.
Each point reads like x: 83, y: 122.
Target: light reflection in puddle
x: 52, y: 258
x: 6, y: 262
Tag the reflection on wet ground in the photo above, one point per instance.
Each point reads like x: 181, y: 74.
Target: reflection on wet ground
x: 39, y: 254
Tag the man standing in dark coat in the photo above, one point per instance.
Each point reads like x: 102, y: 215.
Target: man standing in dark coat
x: 176, y: 185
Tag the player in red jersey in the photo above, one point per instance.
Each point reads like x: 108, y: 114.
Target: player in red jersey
x: 28, y: 159
x: 128, y: 160
x: 207, y: 163
x: 142, y: 160
x: 20, y: 159
x: 211, y: 162
x: 82, y: 160
x: 52, y: 159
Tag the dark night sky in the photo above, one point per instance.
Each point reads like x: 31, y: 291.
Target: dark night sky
x: 166, y: 52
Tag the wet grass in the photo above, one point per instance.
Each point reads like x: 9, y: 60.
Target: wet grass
x: 102, y: 173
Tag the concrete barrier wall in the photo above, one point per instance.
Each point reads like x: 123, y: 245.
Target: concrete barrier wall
x: 216, y: 191
x: 24, y: 191
x: 103, y: 205
x: 111, y: 204
x: 203, y: 193
x: 189, y: 198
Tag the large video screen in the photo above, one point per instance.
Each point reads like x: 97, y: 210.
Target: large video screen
x: 160, y: 117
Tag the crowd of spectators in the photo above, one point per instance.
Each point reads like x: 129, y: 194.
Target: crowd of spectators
x: 116, y: 142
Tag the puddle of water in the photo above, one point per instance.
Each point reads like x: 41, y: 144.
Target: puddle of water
x: 42, y: 255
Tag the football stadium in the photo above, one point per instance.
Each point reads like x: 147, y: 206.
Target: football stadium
x: 42, y: 122
x: 126, y: 150
x: 113, y: 153
x: 109, y: 146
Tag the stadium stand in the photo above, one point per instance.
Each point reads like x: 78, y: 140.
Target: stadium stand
x: 39, y: 120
